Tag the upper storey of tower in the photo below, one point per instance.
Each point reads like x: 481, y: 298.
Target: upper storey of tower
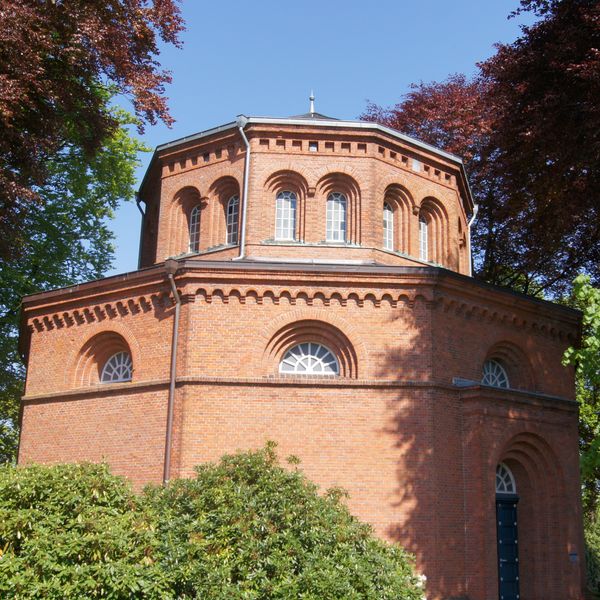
x: 307, y: 188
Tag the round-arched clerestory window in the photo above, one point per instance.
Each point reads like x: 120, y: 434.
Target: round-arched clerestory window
x: 232, y: 219
x: 505, y: 481
x: 119, y: 367
x: 423, y: 238
x: 336, y: 225
x: 195, y: 229
x: 309, y: 358
x: 494, y: 374
x: 388, y: 227
x: 285, y: 216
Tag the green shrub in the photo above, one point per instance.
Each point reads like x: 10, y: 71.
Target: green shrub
x: 244, y: 528
x: 248, y: 528
x: 592, y: 554
x: 76, y: 531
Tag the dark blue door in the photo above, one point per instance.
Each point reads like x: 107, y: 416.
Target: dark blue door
x: 508, y: 549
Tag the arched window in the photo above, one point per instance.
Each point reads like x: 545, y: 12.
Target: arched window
x: 336, y: 217
x: 117, y: 368
x: 423, y: 238
x: 195, y: 229
x: 494, y: 374
x: 285, y: 216
x: 309, y: 358
x: 233, y: 212
x: 505, y: 482
x: 388, y: 227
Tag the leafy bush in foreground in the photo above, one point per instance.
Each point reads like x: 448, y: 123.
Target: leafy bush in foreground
x: 592, y: 553
x: 244, y: 528
x: 76, y: 531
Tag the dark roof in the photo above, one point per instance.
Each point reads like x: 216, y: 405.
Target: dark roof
x: 313, y: 115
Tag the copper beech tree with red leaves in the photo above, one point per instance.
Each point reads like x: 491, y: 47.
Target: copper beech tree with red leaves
x: 528, y: 126
x: 60, y: 62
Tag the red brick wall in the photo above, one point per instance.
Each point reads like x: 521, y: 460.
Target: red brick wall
x: 416, y: 453
x: 362, y: 165
x: 124, y: 427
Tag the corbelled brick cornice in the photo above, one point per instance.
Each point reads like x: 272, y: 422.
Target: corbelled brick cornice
x: 398, y: 288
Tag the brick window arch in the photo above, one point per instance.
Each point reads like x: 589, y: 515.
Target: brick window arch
x: 433, y: 231
x: 216, y: 230
x: 311, y: 338
x: 104, y: 358
x: 288, y: 188
x: 401, y: 204
x: 185, y: 201
x: 341, y: 213
x: 507, y: 366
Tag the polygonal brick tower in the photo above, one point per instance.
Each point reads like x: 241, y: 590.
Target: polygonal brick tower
x: 307, y: 280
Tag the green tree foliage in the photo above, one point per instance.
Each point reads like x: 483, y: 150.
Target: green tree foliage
x: 544, y: 91
x: 57, y: 58
x: 67, y: 240
x: 244, y: 528
x: 66, y: 157
x: 586, y: 360
x: 592, y: 553
x: 528, y: 126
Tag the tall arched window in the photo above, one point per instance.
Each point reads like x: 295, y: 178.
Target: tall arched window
x: 195, y: 229
x: 423, y: 238
x: 117, y: 368
x: 494, y: 374
x: 309, y: 358
x: 388, y: 227
x: 285, y: 216
x: 336, y: 217
x: 233, y: 214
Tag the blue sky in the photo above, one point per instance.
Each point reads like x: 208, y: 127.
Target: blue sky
x: 264, y: 57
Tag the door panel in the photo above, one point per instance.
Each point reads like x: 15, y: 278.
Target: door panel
x: 508, y: 548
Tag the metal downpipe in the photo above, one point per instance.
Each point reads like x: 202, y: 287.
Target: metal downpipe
x: 241, y: 123
x: 138, y: 202
x: 171, y: 268
x: 471, y: 220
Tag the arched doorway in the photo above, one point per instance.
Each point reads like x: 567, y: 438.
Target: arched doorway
x: 507, y: 534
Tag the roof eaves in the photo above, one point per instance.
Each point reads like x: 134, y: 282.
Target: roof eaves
x: 356, y: 125
x: 183, y: 140
x: 376, y: 127
x: 320, y: 122
x: 195, y: 136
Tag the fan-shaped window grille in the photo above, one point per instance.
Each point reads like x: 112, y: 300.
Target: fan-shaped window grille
x: 423, y: 238
x: 285, y: 216
x: 309, y: 358
x: 195, y: 229
x: 388, y: 227
x: 117, y: 368
x: 336, y: 217
x: 494, y: 374
x: 505, y: 482
x: 233, y: 212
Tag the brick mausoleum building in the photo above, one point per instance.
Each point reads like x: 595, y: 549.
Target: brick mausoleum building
x: 313, y: 278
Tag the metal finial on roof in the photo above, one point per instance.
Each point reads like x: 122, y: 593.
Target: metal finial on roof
x: 312, y: 102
